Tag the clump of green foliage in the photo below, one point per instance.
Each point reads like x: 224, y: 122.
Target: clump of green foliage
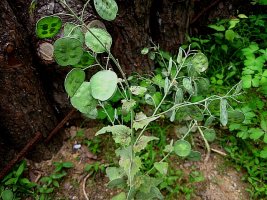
x: 237, y: 50
x: 16, y: 186
x: 176, y: 92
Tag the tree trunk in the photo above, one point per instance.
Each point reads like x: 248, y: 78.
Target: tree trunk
x: 23, y: 106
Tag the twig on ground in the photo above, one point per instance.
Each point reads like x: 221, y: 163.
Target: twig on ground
x: 219, y: 152
x: 84, y: 184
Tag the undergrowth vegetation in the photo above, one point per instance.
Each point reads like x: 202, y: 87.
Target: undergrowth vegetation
x: 218, y: 79
x: 237, y: 50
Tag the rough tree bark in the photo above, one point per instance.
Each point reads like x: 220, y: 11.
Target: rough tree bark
x: 23, y: 102
x: 23, y: 106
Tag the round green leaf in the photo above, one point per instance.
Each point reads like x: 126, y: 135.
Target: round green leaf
x: 73, y: 81
x: 194, y: 156
x: 83, y: 100
x: 209, y: 134
x: 200, y: 62
x: 98, y: 40
x: 86, y: 60
x: 236, y: 116
x: 182, y: 148
x: 107, y: 9
x: 48, y: 27
x: 7, y: 195
x: 67, y: 51
x: 74, y: 31
x: 104, y: 84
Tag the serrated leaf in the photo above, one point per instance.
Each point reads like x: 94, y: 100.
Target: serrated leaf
x: 263, y: 153
x: 154, y: 99
x: 120, y: 133
x: 142, y: 142
x: 113, y: 173
x: 246, y: 80
x: 131, y: 166
x: 104, y: 84
x: 230, y: 35
x: 138, y: 90
x: 141, y: 123
x: 209, y: 134
x: 120, y: 196
x: 48, y: 27
x: 158, y: 80
x: 73, y: 81
x: 154, y: 193
x: 255, y: 133
x: 265, y: 138
x: 98, y: 40
x: 162, y: 167
x: 67, y: 51
x: 182, y: 148
x: 264, y: 124
x: 82, y: 100
x: 223, y: 112
x: 127, y: 106
x: 107, y: 9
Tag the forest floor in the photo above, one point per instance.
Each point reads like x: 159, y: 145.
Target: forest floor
x: 219, y: 180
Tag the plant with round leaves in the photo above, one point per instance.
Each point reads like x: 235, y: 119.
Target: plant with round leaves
x: 48, y: 27
x: 73, y: 81
x: 182, y: 148
x: 104, y: 84
x: 171, y: 92
x: 67, y: 51
x: 98, y: 40
x: 209, y: 134
x: 74, y: 31
x: 83, y: 100
x: 86, y: 60
x: 200, y: 62
x: 107, y: 9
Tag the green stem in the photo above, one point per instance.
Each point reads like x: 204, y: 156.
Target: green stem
x: 206, y: 143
